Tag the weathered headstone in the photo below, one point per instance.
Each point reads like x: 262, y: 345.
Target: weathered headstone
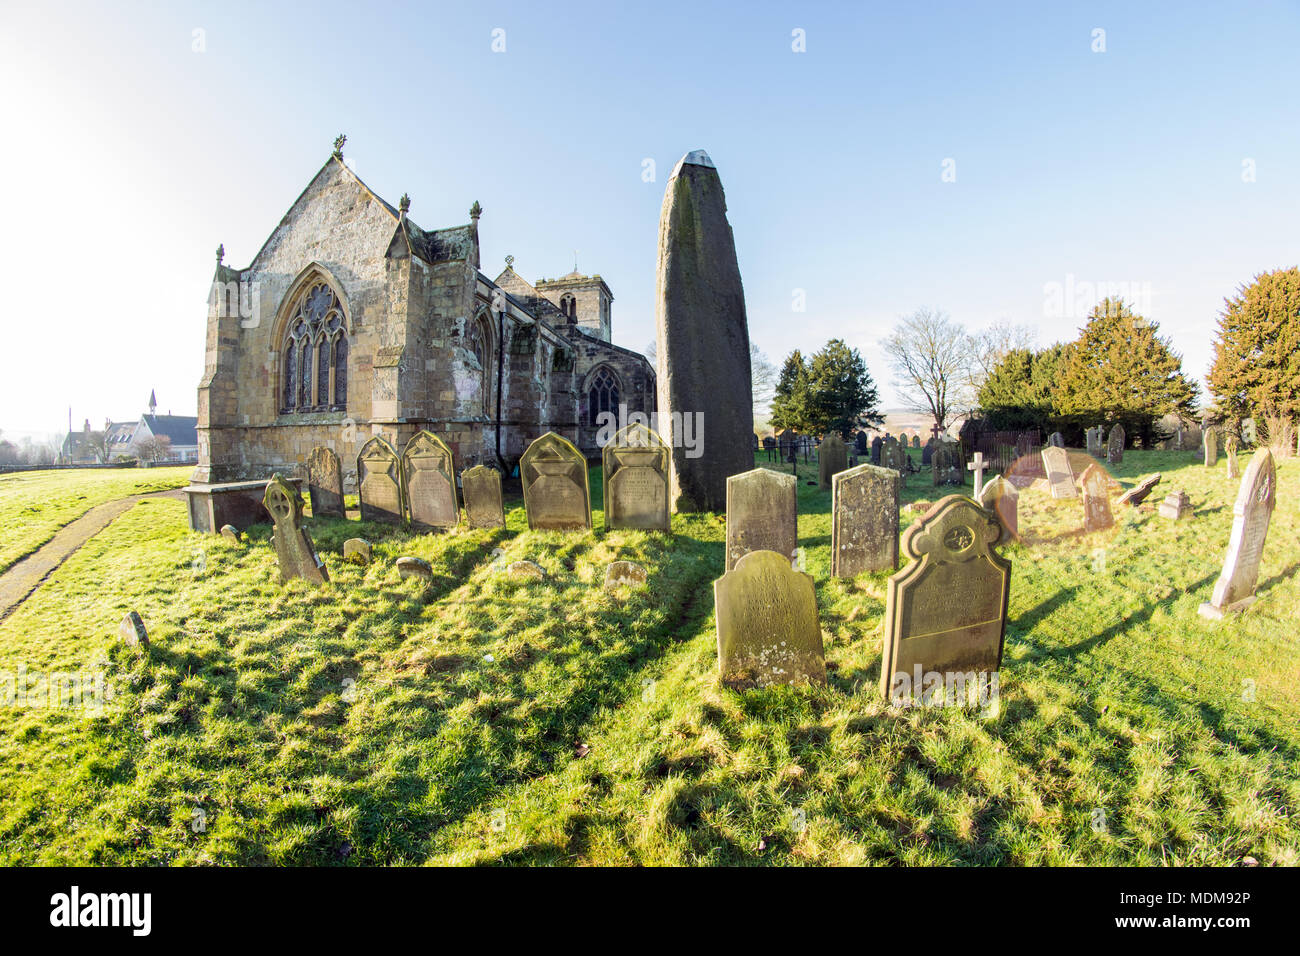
x: 231, y: 533
x: 877, y: 449
x: 325, y: 483
x: 357, y: 551
x: 832, y: 458
x: 635, y: 480
x: 1248, y: 430
x: 1059, y: 476
x: 860, y: 442
x: 768, y: 628
x: 480, y: 486
x: 703, y: 337
x: 1090, y: 440
x: 557, y: 495
x: 893, y: 455
x: 946, y: 465
x: 1097, y: 515
x: 1139, y: 492
x: 761, y: 514
x: 132, y: 631
x: 409, y: 566
x: 526, y: 570
x: 1211, y: 440
x: 1176, y: 506
x: 429, y: 483
x: 946, y: 612
x: 379, y: 484
x: 927, y: 453
x: 1001, y: 497
x: 1235, y: 588
x: 864, y: 521
x: 1115, y: 445
x: 916, y: 441
x: 1230, y: 448
x: 293, y: 547
x: 1056, y: 440
x: 624, y: 573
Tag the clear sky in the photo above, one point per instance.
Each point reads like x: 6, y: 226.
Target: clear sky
x: 134, y: 145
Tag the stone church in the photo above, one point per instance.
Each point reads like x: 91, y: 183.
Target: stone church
x: 352, y: 321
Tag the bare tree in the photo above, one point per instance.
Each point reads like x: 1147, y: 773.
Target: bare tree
x: 763, y: 376
x: 935, y: 363
x: 154, y: 448
x: 993, y: 344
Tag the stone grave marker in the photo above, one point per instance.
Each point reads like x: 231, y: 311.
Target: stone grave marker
x: 1059, y: 476
x: 557, y: 495
x: 893, y: 455
x: 132, y: 631
x: 1096, y: 499
x: 1056, y: 440
x: 927, y: 452
x: 946, y: 464
x: 1211, y: 441
x: 325, y: 483
x: 429, y: 483
x: 864, y: 521
x: 635, y: 480
x: 977, y: 466
x: 293, y: 547
x: 409, y: 566
x: 769, y: 631
x: 860, y: 443
x: 624, y: 574
x: 1176, y: 506
x: 379, y: 484
x: 832, y: 458
x: 1115, y: 445
x: 357, y: 551
x: 1251, y: 514
x: 480, y: 486
x: 761, y: 514
x: 1001, y: 497
x: 946, y: 611
x: 1139, y: 492
x: 877, y: 445
x: 231, y: 534
x: 916, y: 441
x: 1230, y: 449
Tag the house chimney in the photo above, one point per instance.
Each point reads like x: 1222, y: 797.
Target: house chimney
x: 87, y: 426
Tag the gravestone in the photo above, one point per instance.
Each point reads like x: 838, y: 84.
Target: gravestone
x: 624, y: 574
x: 526, y: 570
x: 976, y: 466
x: 893, y: 455
x: 1115, y: 445
x: 1001, y: 497
x: 860, y: 443
x: 832, y: 457
x: 1248, y: 430
x: 1096, y: 499
x: 379, y: 484
x: 1176, y: 506
x: 480, y: 486
x: 1056, y: 440
x: 132, y: 631
x: 557, y: 495
x: 325, y: 483
x: 1025, y: 444
x: 409, y: 566
x: 357, y: 551
x: 1059, y: 476
x: 946, y: 464
x: 429, y: 483
x: 1230, y: 454
x: 1139, y: 492
x: 1235, y: 588
x: 877, y: 445
x: 231, y: 533
x: 927, y: 452
x: 293, y: 547
x: 916, y: 441
x: 768, y: 628
x: 635, y: 480
x: 761, y: 514
x: 1211, y: 441
x: 703, y: 336
x: 864, y: 521
x: 946, y: 611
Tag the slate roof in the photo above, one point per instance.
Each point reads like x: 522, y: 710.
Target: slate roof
x: 181, y: 429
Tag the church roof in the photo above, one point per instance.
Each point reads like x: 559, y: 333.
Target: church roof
x: 181, y: 429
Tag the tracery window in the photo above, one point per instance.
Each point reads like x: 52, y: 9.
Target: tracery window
x: 602, y: 395
x: 480, y: 344
x: 316, y: 354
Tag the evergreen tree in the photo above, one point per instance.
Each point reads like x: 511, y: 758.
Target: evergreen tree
x: 791, y: 400
x: 1121, y: 370
x: 843, y: 396
x: 1018, y: 392
x: 1256, y: 369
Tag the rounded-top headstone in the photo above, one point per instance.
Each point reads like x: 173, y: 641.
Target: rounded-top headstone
x: 230, y: 533
x: 526, y: 570
x: 624, y: 573
x: 357, y: 550
x: 412, y: 567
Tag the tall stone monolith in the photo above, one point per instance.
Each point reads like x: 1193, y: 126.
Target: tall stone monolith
x: 705, y: 393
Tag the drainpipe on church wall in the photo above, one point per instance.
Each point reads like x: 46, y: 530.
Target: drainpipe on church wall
x: 501, y: 345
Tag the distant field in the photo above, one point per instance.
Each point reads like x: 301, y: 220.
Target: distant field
x: 479, y: 719
x: 36, y: 504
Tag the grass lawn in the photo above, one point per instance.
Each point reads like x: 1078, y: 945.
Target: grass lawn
x: 479, y: 719
x: 34, y: 505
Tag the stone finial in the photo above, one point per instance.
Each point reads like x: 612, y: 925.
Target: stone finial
x: 510, y: 262
x: 339, y: 140
x: 475, y: 211
x: 221, y: 253
x: 404, y: 204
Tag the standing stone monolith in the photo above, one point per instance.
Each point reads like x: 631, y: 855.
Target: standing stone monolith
x: 705, y: 391
x: 293, y: 546
x: 480, y: 487
x: 946, y: 612
x: 864, y: 521
x: 1235, y: 589
x: 1097, y: 515
x: 769, y: 631
x: 832, y: 458
x: 761, y: 514
x: 325, y: 483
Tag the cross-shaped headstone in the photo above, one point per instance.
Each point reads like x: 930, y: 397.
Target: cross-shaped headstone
x: 934, y: 431
x: 977, y: 465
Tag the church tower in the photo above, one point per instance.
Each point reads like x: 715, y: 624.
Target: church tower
x: 585, y: 300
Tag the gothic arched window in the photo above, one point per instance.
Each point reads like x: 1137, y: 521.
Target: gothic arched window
x: 479, y: 342
x: 315, y: 352
x: 602, y: 395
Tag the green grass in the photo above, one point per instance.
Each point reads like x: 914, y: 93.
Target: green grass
x: 34, y: 505
x: 479, y: 719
